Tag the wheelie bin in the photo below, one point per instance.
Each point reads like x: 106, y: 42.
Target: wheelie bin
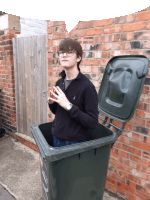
x: 78, y: 172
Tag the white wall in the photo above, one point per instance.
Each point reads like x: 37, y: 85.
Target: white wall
x: 31, y: 27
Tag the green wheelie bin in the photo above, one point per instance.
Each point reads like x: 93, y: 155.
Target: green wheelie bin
x: 78, y: 172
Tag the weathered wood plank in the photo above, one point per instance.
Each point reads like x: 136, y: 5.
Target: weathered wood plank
x: 24, y: 89
x: 45, y: 77
x: 27, y: 81
x: 16, y: 81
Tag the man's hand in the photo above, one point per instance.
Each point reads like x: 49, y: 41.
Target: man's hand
x: 61, y: 98
x: 52, y: 96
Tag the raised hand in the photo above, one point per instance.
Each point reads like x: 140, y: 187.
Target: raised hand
x: 60, y: 98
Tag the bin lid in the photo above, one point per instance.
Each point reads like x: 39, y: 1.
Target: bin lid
x: 121, y: 86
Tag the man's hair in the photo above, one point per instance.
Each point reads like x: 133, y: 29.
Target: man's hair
x: 73, y: 45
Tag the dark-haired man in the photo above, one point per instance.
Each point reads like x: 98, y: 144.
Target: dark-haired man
x: 73, y: 100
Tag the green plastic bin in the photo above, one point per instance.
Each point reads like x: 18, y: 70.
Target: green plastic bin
x: 78, y: 172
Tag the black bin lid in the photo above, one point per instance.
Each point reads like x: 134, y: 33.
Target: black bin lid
x: 121, y: 86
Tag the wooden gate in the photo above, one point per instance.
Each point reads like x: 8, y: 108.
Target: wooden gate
x: 31, y: 81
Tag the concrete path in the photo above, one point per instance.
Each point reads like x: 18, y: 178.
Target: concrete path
x: 20, y: 177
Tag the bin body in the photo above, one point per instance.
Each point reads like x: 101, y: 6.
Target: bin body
x: 74, y: 177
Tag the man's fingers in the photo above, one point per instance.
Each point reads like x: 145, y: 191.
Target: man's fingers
x: 54, y: 95
x: 53, y: 99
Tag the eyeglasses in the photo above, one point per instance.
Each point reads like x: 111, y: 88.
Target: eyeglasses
x: 69, y: 53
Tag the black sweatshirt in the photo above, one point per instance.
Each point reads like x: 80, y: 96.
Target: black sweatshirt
x: 76, y: 124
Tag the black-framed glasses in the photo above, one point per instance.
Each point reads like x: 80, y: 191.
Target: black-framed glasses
x: 69, y: 53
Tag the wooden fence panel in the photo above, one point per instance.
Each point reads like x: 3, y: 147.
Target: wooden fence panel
x: 31, y: 81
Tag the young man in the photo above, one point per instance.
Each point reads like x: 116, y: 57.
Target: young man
x: 73, y: 100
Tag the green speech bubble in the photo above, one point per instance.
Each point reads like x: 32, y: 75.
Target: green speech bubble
x: 72, y: 11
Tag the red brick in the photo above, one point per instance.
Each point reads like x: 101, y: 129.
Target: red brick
x: 143, y: 16
x: 121, y: 153
x: 139, y: 160
x: 92, y: 62
x: 147, y: 44
x: 131, y: 184
x: 142, y: 114
x: 86, y: 69
x: 117, y: 53
x: 113, y: 29
x: 131, y: 149
x: 105, y: 38
x: 111, y: 180
x: 116, y: 177
x: 125, y: 140
x: 134, y: 26
x: 109, y: 46
x: 50, y: 61
x: 50, y: 43
x: 106, y: 185
x: 141, y: 145
x: 118, y: 145
x: 116, y: 37
x: 125, y: 161
x: 120, y: 20
x: 61, y: 22
x: 141, y: 195
x: 145, y: 169
x: 96, y: 31
x: 112, y: 187
x: 77, y: 33
x: 142, y: 106
x: 104, y: 62
x: 105, y: 54
x: 131, y: 196
x: 86, y: 24
x: 114, y: 157
x: 146, y: 154
x: 113, y: 169
x: 148, y: 25
x: 145, y: 98
x: 142, y: 35
x: 103, y: 22
x: 137, y: 121
x: 128, y: 126
x: 137, y: 136
x: 139, y: 174
x: 148, y: 124
x: 146, y: 89
x: 119, y: 165
x: 126, y: 187
x: 144, y: 183
x: 138, y: 52
x: 130, y: 18
x: 94, y: 69
x: 55, y: 36
x: 86, y: 40
x: 121, y: 192
x: 49, y: 30
x: 128, y: 176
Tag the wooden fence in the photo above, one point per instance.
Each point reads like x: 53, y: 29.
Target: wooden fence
x: 31, y: 81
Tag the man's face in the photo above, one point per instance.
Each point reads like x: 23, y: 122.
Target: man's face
x: 69, y: 60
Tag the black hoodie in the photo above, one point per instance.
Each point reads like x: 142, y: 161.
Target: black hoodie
x: 76, y: 124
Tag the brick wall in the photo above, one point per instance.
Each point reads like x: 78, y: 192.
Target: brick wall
x: 129, y: 167
x: 7, y: 95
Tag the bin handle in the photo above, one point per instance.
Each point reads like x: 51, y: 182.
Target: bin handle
x: 119, y: 130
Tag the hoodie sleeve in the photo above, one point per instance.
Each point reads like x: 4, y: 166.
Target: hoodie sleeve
x: 89, y: 118
x: 53, y: 107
